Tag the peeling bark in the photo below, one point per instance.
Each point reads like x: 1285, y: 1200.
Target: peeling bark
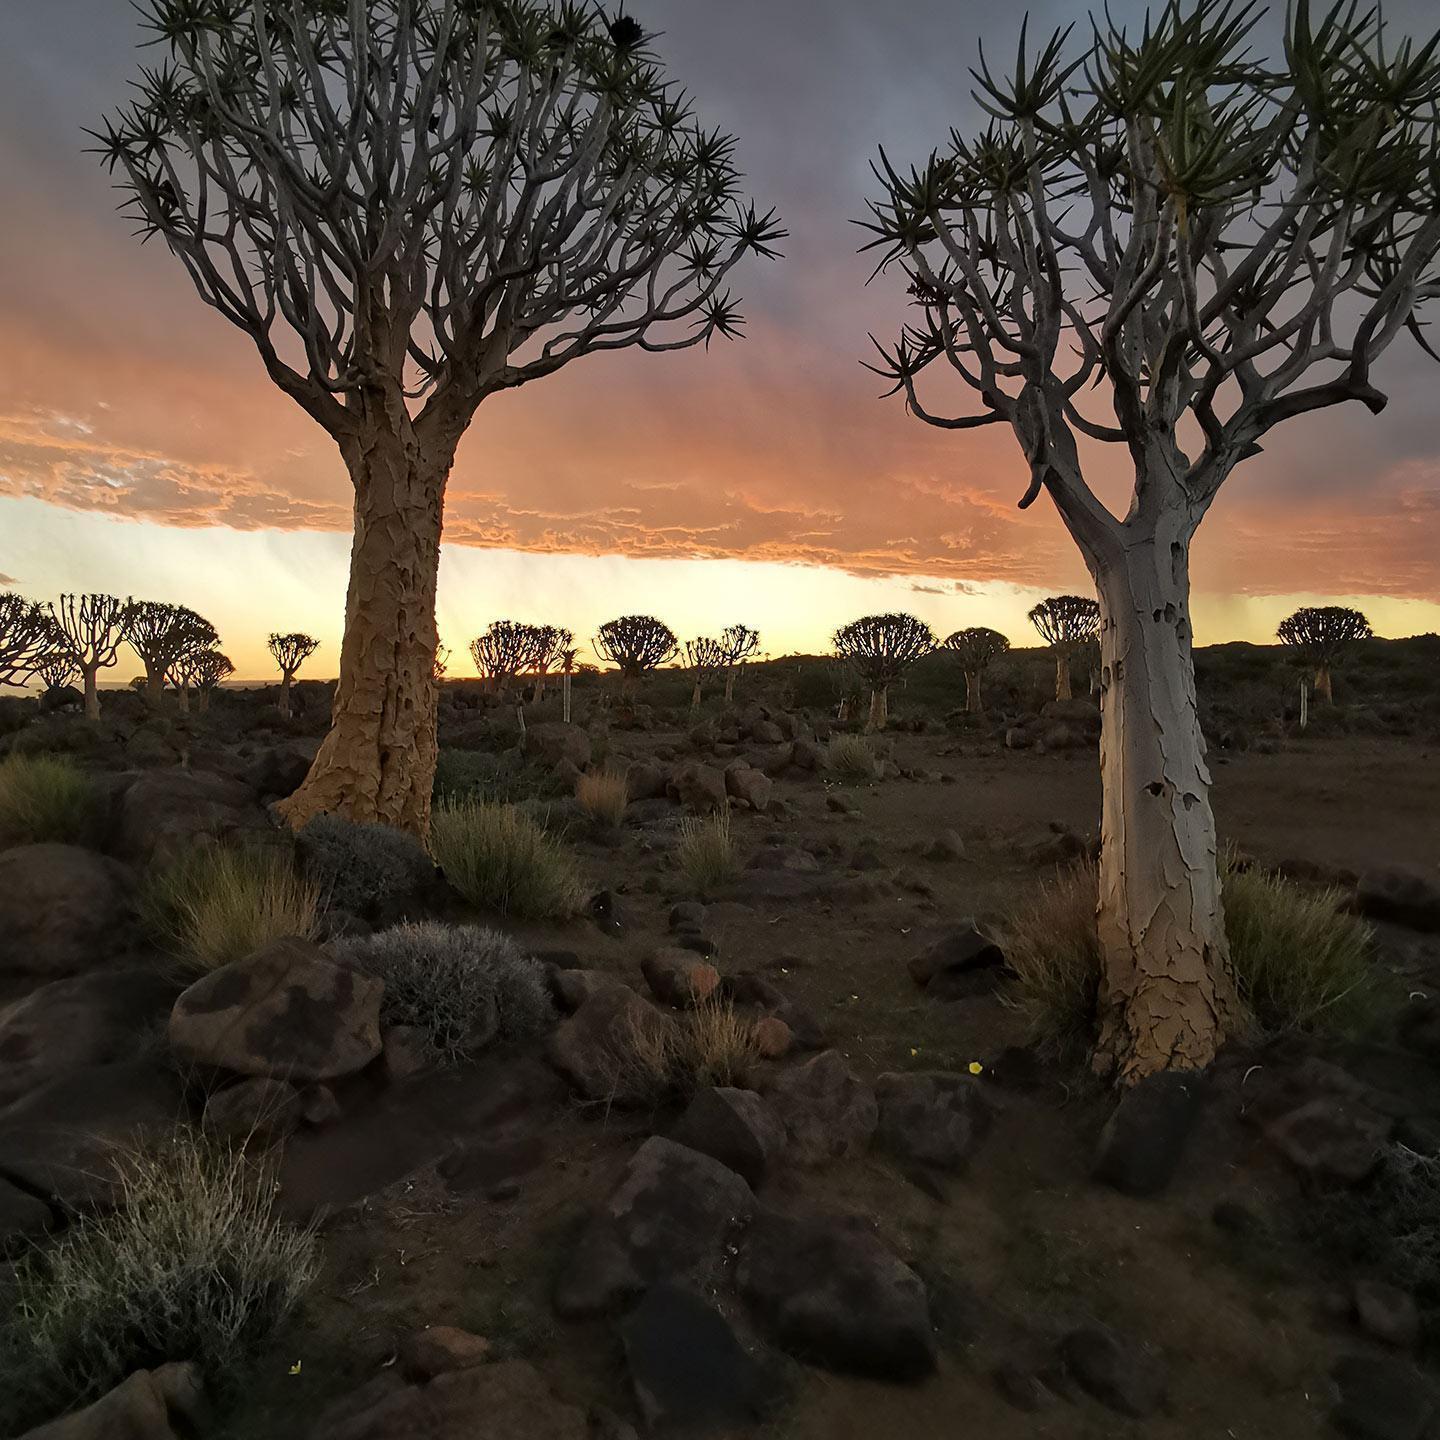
x: 377, y: 764
x: 1062, y: 676
x: 1167, y: 995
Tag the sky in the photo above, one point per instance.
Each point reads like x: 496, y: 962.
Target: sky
x: 143, y: 451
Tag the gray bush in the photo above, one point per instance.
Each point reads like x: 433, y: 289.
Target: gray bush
x: 464, y: 985
x: 369, y: 870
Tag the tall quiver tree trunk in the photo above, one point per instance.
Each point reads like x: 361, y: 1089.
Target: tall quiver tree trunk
x: 285, y: 679
x: 1062, y: 673
x: 92, y: 691
x: 377, y: 763
x: 1322, y: 684
x: 1167, y: 994
x: 879, y: 708
x: 972, y: 693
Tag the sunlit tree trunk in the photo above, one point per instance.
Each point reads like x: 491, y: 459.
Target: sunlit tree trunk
x: 285, y: 681
x: 879, y: 708
x: 1322, y: 684
x: 1167, y: 996
x: 730, y: 685
x: 92, y: 692
x: 1062, y: 675
x: 377, y: 764
x: 695, y: 696
x: 565, y: 697
x: 973, y: 705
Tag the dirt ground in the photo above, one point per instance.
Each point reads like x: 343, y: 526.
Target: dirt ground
x: 494, y: 1170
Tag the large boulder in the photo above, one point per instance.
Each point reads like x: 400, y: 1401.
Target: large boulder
x: 644, y: 781
x: 834, y: 1295
x: 829, y: 1113
x: 554, y: 741
x: 63, y: 910
x: 507, y: 1400
x: 679, y: 976
x: 1144, y: 1138
x: 931, y: 1118
x: 1332, y: 1138
x: 597, y: 1048
x: 942, y: 966
x: 700, y: 788
x: 160, y: 1404
x: 94, y: 1019
x: 23, y: 1217
x: 164, y: 813
x: 286, y: 1011
x: 670, y: 1216
x: 736, y: 1127
x: 67, y: 1139
x: 749, y: 786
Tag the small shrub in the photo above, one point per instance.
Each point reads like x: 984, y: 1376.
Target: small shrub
x: 706, y: 852
x: 506, y: 778
x: 603, y: 795
x: 194, y: 1265
x: 501, y: 860
x: 368, y: 870
x: 46, y: 801
x: 713, y: 1044
x: 217, y: 904
x: 851, y: 758
x: 1302, y: 965
x: 463, y: 985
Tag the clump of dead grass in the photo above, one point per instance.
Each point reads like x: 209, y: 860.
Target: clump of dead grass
x: 852, y: 757
x: 603, y: 796
x: 706, y: 852
x: 713, y: 1044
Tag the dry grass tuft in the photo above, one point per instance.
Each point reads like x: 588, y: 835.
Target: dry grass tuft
x: 44, y: 800
x: 603, y: 796
x: 194, y: 1265
x: 713, y: 1044
x: 219, y: 904
x: 851, y: 758
x: 706, y: 852
x: 499, y: 859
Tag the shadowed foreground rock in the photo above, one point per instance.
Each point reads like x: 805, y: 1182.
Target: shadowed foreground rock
x: 61, y: 908
x: 160, y: 1404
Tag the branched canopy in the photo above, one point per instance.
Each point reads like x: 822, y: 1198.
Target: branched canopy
x: 551, y: 644
x: 57, y: 670
x: 1167, y: 242
x: 26, y: 636
x: 292, y: 651
x: 440, y: 198
x: 162, y: 634
x: 635, y: 644
x: 879, y: 647
x: 204, y: 669
x: 1066, y: 621
x: 89, y: 629
x: 704, y: 656
x: 505, y: 649
x: 976, y: 648
x: 1322, y: 633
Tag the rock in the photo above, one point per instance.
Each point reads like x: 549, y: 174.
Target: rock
x: 835, y: 1296
x: 63, y: 1140
x: 278, y: 770
x: 572, y: 988
x: 1145, y: 1136
x: 1408, y: 897
x: 932, y: 1118
x: 958, y: 952
x: 774, y: 1039
x: 687, y: 915
x: 688, y: 1367
x: 260, y: 1108
x: 946, y: 846
x: 1382, y: 1399
x: 1118, y: 1372
x: 165, y: 813
x: 159, y: 1404
x: 318, y: 1106
x: 750, y: 787
x: 1419, y: 1027
x: 553, y: 741
x: 827, y: 1111
x: 440, y: 1349
x: 286, y: 1011
x: 676, y: 977
x: 1084, y: 714
x: 807, y: 755
x: 1387, y: 1314
x: 62, y: 910
x: 509, y: 1400
x: 23, y: 1217
x: 700, y: 788
x: 608, y: 912
x: 766, y: 732
x: 1331, y: 1138
x: 841, y: 803
x: 95, y: 1019
x: 644, y: 781
x: 407, y: 1051
x: 1023, y: 1388
x: 595, y: 1048
x: 735, y: 1127
x: 673, y: 1211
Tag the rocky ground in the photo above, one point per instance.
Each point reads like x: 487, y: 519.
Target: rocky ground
x: 900, y: 1219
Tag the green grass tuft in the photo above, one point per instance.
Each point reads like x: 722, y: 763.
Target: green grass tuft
x: 194, y: 1265
x: 45, y: 800
x: 499, y: 859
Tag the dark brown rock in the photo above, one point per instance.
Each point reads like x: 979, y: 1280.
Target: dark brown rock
x: 827, y: 1110
x: 62, y: 910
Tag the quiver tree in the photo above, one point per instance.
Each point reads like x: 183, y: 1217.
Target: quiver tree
x: 161, y: 635
x: 549, y: 645
x: 90, y: 629
x: 738, y: 643
x: 635, y: 645
x: 566, y: 662
x: 442, y: 662
x: 1320, y: 635
x: 503, y: 651
x: 977, y: 649
x: 409, y: 205
x: 704, y: 658
x: 1169, y: 245
x: 27, y: 638
x: 290, y: 652
x: 879, y: 648
x: 204, y: 670
x: 1067, y: 623
x: 57, y: 669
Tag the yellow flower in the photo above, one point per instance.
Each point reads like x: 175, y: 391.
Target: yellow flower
x: 295, y: 1368
x: 914, y: 1050
x: 976, y: 1068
